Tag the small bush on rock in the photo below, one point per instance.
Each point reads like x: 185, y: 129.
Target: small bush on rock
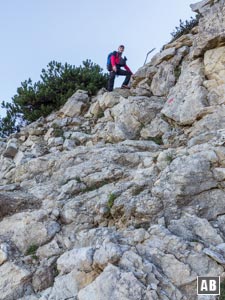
x: 111, y: 198
x: 185, y: 27
x: 31, y: 250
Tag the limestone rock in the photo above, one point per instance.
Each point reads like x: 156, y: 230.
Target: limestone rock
x: 3, y: 253
x: 129, y: 116
x: 67, y: 286
x: 156, y: 128
x: 76, y: 104
x: 211, y: 26
x: 27, y: 229
x: 183, y: 178
x: 208, y: 204
x: 188, y: 96
x: 79, y: 259
x: 163, y: 80
x: 215, y: 255
x: 164, y: 55
x: 12, y: 202
x: 107, y: 253
x: 172, y: 267
x: 197, y: 7
x: 184, y: 40
x: 11, y: 148
x: 64, y: 287
x: 214, y: 70
x: 14, y: 281
x: 143, y: 88
x: 195, y: 228
x: 117, y: 285
x: 49, y: 250
x: 147, y: 71
x: 44, y: 276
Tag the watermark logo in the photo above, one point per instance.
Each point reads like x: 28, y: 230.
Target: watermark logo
x: 208, y: 285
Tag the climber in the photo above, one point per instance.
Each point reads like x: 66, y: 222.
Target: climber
x: 114, y: 63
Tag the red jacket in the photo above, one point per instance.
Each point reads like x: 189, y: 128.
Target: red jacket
x: 115, y: 60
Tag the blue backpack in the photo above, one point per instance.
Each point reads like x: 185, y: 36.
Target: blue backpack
x: 108, y: 64
x: 121, y: 63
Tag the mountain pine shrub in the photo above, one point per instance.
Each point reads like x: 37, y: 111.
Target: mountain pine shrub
x: 58, y: 83
x: 185, y: 27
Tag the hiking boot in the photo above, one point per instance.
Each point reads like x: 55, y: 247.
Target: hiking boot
x: 125, y: 87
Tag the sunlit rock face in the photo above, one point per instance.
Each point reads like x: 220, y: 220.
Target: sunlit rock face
x: 121, y: 195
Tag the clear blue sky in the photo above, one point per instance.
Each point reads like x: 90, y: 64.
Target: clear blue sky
x: 35, y: 32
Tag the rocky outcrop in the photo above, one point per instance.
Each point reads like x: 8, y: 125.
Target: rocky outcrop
x: 122, y: 195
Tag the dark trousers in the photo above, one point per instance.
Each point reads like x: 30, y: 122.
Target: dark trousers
x: 112, y: 76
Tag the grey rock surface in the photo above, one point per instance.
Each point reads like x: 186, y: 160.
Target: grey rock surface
x: 121, y: 195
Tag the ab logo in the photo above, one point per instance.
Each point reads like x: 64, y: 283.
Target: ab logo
x: 208, y: 285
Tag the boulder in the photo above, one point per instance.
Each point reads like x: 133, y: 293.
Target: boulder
x: 188, y: 96
x: 75, y: 105
x: 14, y: 281
x: 113, y: 284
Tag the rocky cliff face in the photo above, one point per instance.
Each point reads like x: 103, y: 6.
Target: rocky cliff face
x: 122, y: 196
